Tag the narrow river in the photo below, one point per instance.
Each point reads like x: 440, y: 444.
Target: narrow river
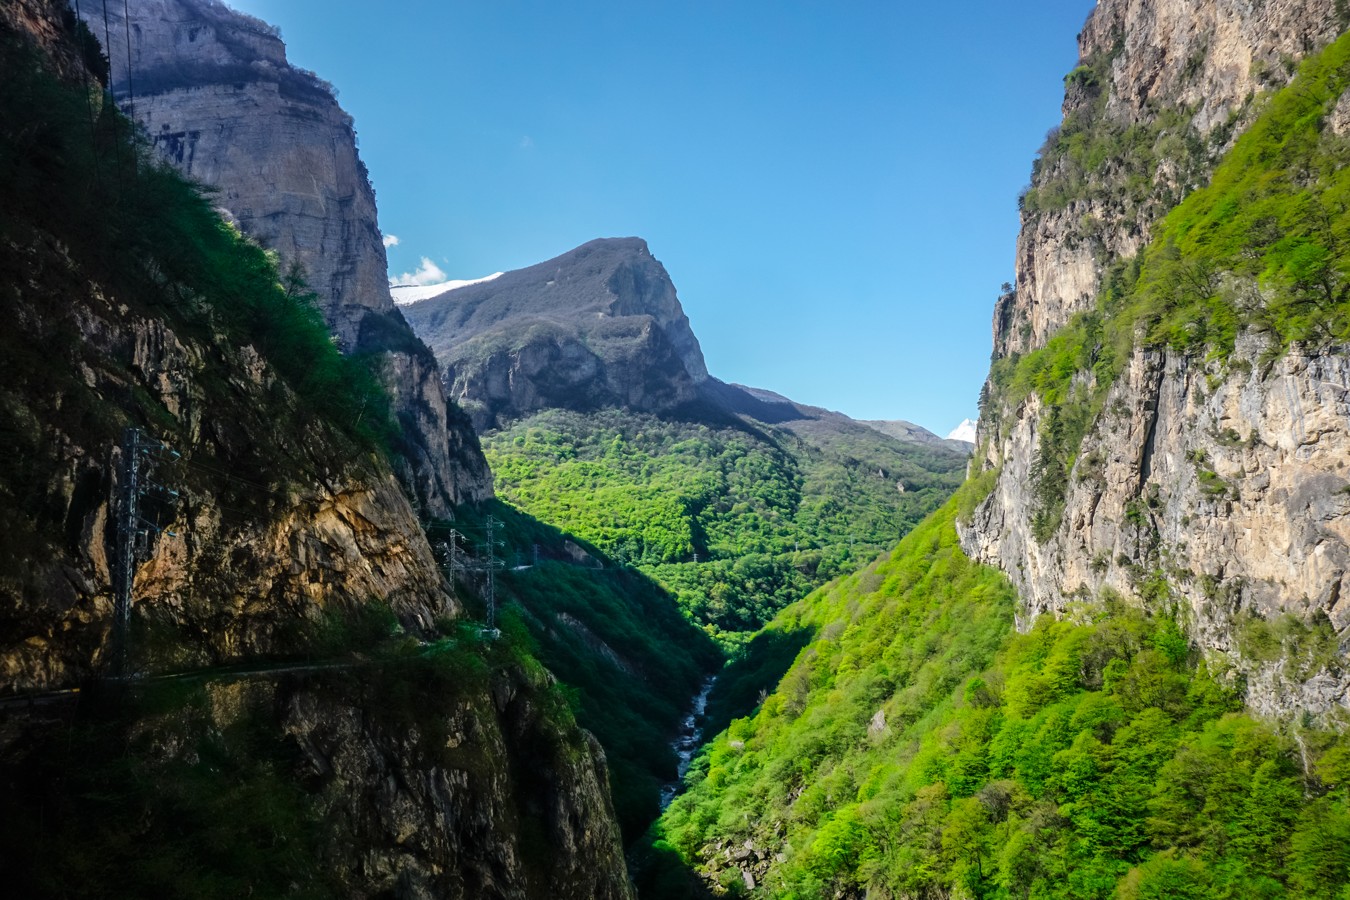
x: 688, y: 741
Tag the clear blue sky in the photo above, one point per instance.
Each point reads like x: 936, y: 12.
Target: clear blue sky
x: 831, y: 185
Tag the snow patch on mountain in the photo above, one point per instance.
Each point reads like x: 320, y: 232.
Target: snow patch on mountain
x: 408, y: 294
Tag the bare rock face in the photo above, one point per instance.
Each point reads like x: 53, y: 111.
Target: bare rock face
x: 598, y: 326
x: 1216, y: 490
x: 217, y: 98
x: 273, y: 526
x: 496, y: 771
x: 53, y: 32
x: 1229, y: 484
x: 1201, y: 61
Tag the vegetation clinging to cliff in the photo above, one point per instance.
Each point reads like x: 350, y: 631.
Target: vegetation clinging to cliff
x: 1265, y: 246
x: 72, y: 167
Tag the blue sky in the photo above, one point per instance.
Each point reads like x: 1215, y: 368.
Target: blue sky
x: 832, y: 186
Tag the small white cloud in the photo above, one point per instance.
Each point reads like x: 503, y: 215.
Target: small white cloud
x: 390, y: 240
x: 427, y: 273
x: 527, y: 143
x: 964, y: 432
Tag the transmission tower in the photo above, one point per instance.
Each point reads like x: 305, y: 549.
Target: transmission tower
x: 493, y: 564
x: 451, y: 550
x: 134, y: 531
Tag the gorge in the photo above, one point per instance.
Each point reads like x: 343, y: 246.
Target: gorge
x: 421, y: 595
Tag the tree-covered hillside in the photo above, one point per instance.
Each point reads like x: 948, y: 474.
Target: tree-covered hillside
x: 613, y: 637
x: 737, y: 519
x: 919, y: 747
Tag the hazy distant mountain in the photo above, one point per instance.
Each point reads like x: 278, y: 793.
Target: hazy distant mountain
x: 908, y: 431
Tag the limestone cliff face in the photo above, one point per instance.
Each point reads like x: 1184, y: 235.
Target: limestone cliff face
x: 1217, y: 489
x: 1183, y: 74
x: 491, y: 797
x: 217, y: 98
x: 598, y: 326
x: 1236, y: 494
x: 465, y: 787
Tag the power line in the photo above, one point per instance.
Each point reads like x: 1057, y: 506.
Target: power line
x: 131, y: 93
x: 117, y: 137
x: 88, y: 99
x: 493, y: 564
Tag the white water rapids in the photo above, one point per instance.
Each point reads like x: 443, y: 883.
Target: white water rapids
x: 689, y: 740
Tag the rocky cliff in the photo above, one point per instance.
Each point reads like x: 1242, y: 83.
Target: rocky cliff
x: 1160, y: 92
x: 1156, y: 423
x: 341, y: 731
x: 410, y: 778
x: 598, y: 326
x: 218, y: 99
x: 273, y: 524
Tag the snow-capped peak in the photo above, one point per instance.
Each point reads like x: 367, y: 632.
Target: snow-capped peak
x: 963, y: 432
x: 408, y: 294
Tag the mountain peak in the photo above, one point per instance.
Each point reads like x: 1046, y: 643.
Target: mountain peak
x: 599, y: 325
x: 623, y: 244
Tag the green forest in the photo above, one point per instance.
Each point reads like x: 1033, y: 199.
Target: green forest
x: 736, y: 521
x: 919, y: 746
x: 627, y: 659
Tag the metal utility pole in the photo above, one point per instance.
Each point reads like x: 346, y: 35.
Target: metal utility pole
x: 133, y: 532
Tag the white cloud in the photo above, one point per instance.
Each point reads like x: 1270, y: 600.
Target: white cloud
x: 963, y: 432
x: 527, y: 143
x: 390, y: 240
x: 427, y: 273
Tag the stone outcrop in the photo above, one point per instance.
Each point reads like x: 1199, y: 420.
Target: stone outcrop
x: 502, y: 802
x: 598, y: 326
x: 273, y: 526
x: 1230, y: 484
x: 465, y: 787
x: 1217, y: 490
x: 218, y: 99
x: 1202, y: 60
